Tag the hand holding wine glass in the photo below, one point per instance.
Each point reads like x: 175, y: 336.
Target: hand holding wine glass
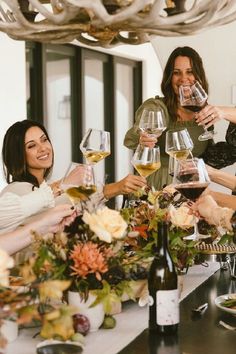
x: 95, y: 145
x: 191, y: 179
x: 78, y: 182
x: 194, y: 98
x: 178, y: 144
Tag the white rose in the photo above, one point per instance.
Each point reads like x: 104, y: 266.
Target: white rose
x: 106, y: 223
x: 180, y: 217
x: 6, y: 262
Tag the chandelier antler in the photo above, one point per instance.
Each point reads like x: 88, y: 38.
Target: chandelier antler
x: 108, y: 23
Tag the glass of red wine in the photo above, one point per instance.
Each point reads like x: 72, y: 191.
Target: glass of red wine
x: 194, y: 98
x: 191, y: 179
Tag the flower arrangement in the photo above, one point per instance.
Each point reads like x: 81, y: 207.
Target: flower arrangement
x: 25, y: 300
x: 89, y: 253
x: 143, y: 215
x: 104, y: 253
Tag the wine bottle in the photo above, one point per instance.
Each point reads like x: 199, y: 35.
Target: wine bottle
x: 163, y: 288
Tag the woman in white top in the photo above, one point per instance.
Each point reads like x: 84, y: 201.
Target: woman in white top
x: 14, y: 209
x: 28, y: 160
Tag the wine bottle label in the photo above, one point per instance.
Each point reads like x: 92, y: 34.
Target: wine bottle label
x: 167, y: 307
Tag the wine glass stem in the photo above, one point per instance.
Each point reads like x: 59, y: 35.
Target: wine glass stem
x: 196, y: 231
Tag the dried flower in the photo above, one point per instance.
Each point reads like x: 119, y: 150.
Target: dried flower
x: 53, y: 289
x: 88, y: 258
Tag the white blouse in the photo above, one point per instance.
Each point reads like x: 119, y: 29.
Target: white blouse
x: 18, y: 202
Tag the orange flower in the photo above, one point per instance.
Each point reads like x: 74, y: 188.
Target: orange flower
x: 88, y: 258
x: 142, y: 229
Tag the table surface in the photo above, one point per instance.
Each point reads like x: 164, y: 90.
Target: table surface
x: 196, y: 336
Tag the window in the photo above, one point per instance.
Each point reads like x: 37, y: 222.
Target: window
x: 70, y: 89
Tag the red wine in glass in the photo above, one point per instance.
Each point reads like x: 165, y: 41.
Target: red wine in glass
x: 193, y: 108
x: 192, y: 191
x: 194, y: 98
x: 191, y: 179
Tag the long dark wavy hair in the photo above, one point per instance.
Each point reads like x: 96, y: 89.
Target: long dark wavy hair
x: 14, y: 156
x: 170, y: 97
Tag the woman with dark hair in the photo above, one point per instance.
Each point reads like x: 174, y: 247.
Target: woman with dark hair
x: 28, y: 159
x: 184, y: 66
x: 19, y: 145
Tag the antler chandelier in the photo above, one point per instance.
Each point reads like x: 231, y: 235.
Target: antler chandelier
x: 107, y: 23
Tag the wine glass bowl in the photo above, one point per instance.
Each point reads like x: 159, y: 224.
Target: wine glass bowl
x: 79, y: 182
x: 178, y: 144
x: 191, y: 179
x: 95, y: 145
x: 194, y: 98
x: 152, y: 122
x: 146, y: 160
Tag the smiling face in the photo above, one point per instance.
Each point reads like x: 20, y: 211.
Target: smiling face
x: 182, y: 73
x: 38, y: 152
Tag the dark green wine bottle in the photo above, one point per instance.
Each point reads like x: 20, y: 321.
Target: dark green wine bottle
x: 163, y: 288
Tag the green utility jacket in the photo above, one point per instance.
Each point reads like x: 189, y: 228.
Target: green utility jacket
x: 161, y: 177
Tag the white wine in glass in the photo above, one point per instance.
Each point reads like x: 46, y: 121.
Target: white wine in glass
x: 95, y: 145
x: 194, y: 98
x: 78, y: 182
x: 153, y: 122
x: 146, y: 160
x: 179, y: 144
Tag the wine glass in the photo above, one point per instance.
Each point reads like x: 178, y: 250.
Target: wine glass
x: 153, y: 122
x: 191, y: 179
x: 178, y: 144
x: 78, y: 182
x: 171, y: 166
x: 194, y: 98
x: 146, y: 160
x: 95, y: 145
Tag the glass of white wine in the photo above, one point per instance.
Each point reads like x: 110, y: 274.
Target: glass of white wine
x: 179, y: 144
x: 153, y: 122
x: 146, y: 160
x: 95, y: 145
x: 79, y: 182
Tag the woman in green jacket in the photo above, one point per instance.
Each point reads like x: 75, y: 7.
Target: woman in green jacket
x: 184, y: 66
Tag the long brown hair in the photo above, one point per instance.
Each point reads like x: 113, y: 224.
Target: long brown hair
x: 170, y: 97
x: 13, y: 153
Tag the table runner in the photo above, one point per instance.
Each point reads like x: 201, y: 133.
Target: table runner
x: 130, y: 322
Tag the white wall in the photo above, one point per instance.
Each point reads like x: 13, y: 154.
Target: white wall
x: 12, y: 86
